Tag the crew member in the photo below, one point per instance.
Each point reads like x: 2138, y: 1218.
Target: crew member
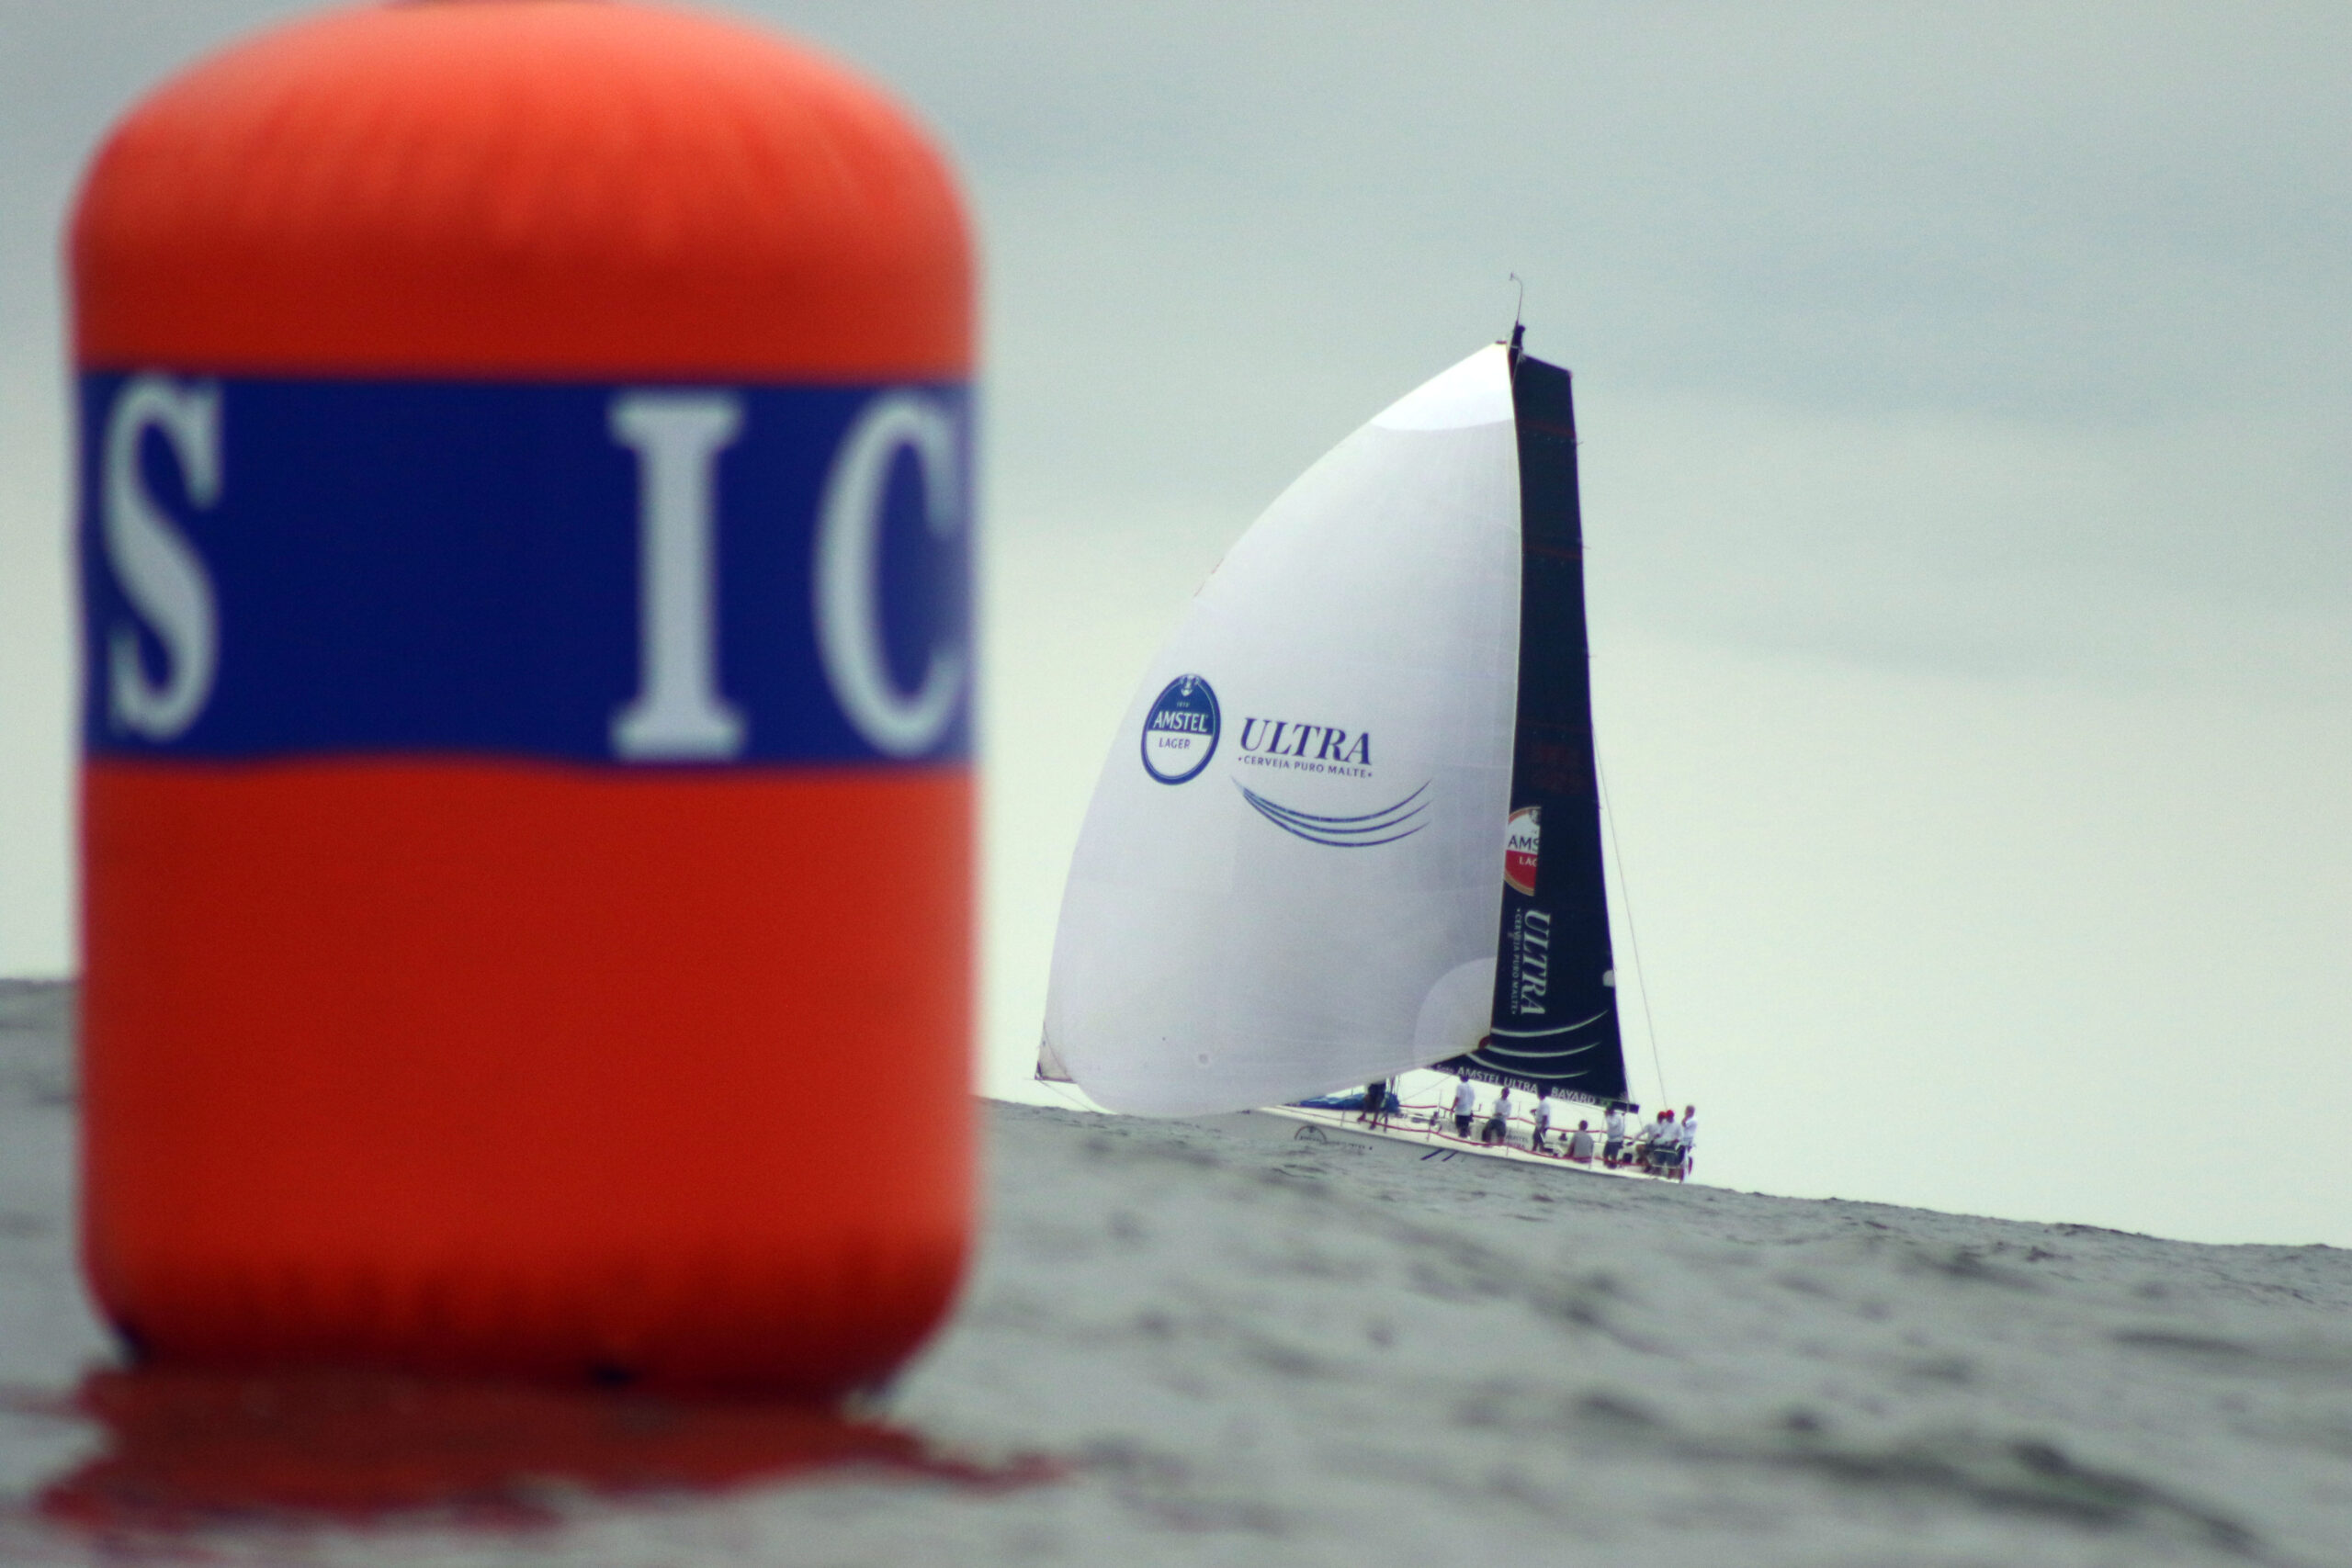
x: 1637, y: 1153
x: 1580, y: 1144
x: 1543, y: 1124
x: 1497, y: 1128
x: 1665, y: 1146
x: 1465, y: 1105
x: 1612, y: 1152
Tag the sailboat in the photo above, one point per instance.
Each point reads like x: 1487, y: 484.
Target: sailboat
x: 1349, y: 827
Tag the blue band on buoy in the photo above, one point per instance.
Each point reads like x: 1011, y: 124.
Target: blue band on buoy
x: 618, y: 575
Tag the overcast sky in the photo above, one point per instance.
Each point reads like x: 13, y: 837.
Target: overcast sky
x: 1964, y: 394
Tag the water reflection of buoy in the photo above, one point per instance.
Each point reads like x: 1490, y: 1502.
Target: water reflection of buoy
x: 182, y: 1447
x: 507, y: 832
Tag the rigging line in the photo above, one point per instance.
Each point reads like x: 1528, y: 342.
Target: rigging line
x: 1633, y: 932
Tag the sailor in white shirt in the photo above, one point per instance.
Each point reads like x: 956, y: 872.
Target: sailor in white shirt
x: 1690, y: 1138
x: 1497, y: 1127
x: 1465, y: 1105
x: 1614, y: 1151
x: 1666, y: 1145
x: 1542, y: 1124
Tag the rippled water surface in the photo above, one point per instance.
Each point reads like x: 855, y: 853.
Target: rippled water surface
x: 1222, y: 1342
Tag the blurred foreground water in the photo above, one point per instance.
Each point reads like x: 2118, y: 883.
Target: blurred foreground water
x: 1235, y: 1341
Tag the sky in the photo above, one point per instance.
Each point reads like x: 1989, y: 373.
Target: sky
x: 1965, y: 396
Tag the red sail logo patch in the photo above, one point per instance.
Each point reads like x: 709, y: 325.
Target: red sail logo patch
x: 1521, y: 841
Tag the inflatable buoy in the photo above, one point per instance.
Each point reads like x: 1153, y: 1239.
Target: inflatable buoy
x: 525, y: 499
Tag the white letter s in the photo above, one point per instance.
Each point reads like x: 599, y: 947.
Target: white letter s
x: 158, y: 568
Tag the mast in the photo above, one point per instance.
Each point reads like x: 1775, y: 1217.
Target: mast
x: 1554, y: 1025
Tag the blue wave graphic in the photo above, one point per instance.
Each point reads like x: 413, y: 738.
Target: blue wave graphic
x: 1555, y: 1029
x: 1491, y: 1049
x: 1344, y: 832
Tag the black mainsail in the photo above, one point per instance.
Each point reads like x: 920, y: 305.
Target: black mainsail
x: 1555, y: 1023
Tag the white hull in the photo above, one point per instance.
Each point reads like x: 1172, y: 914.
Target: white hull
x: 1438, y: 1136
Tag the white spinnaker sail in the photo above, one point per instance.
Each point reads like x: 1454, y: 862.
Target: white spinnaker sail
x: 1316, y: 904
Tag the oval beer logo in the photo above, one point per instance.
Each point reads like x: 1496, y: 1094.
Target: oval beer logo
x: 1522, y: 842
x: 1180, y: 733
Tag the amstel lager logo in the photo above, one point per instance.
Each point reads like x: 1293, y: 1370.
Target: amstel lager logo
x: 1521, y: 842
x: 1180, y: 733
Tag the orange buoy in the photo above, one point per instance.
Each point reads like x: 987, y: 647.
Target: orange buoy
x: 525, y: 517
